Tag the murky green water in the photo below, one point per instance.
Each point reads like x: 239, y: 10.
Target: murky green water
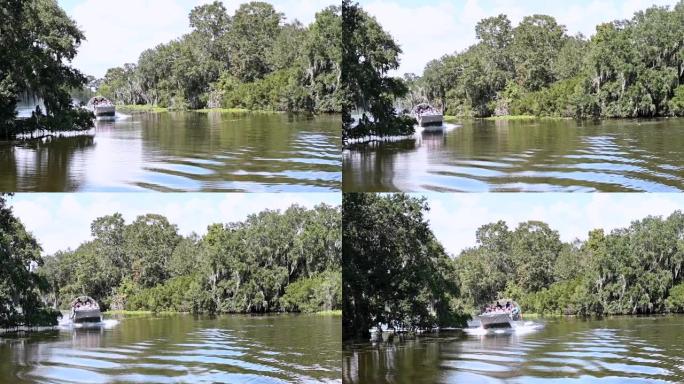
x: 182, y: 151
x: 616, y: 350
x: 179, y: 348
x: 537, y: 155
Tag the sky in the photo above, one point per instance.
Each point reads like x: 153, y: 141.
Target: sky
x: 455, y: 217
x: 117, y: 32
x: 429, y: 29
x: 62, y: 220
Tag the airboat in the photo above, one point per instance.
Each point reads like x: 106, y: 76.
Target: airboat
x: 427, y: 115
x: 500, y: 314
x: 101, y: 107
x: 85, y: 309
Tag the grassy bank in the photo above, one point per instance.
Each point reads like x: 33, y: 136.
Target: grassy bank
x: 525, y: 117
x: 125, y: 312
x: 453, y: 119
x: 334, y: 312
x: 142, y: 108
x: 155, y: 109
x: 235, y: 110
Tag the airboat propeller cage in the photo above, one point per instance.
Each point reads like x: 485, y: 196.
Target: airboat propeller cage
x: 498, y: 319
x: 85, y: 315
x: 84, y: 299
x: 427, y: 115
x: 502, y: 302
x: 101, y: 106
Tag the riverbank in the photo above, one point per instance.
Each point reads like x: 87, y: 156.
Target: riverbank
x: 156, y: 109
x: 454, y: 119
x: 334, y: 312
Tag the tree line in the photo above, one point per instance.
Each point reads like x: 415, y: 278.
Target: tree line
x: 37, y: 43
x: 397, y: 273
x: 20, y: 285
x: 628, y: 68
x: 273, y: 261
x: 632, y: 270
x: 252, y: 59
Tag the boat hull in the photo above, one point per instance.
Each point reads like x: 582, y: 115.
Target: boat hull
x: 430, y: 120
x: 105, y: 111
x: 495, y: 320
x: 86, y: 316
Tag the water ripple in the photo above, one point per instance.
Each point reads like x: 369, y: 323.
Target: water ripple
x: 484, y: 156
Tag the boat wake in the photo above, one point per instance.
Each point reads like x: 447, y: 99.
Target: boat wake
x: 445, y: 127
x: 518, y: 328
x: 66, y: 324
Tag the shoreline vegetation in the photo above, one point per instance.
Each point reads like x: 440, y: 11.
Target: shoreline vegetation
x: 367, y: 84
x: 250, y: 60
x: 414, y: 284
x: 630, y: 68
x: 38, y: 42
x: 332, y: 312
x: 156, y: 109
x: 272, y: 262
x: 455, y: 119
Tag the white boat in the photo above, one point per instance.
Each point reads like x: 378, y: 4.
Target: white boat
x: 427, y: 115
x: 500, y: 314
x: 101, y: 107
x: 84, y: 309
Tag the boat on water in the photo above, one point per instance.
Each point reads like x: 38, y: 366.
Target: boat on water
x: 427, y: 115
x: 84, y: 309
x: 101, y: 107
x: 500, y: 314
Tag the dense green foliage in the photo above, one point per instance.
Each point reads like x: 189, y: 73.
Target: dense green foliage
x: 252, y: 59
x: 634, y: 270
x: 628, y: 68
x: 395, y: 272
x: 675, y: 302
x: 20, y: 303
x: 368, y: 54
x: 37, y: 40
x: 272, y: 261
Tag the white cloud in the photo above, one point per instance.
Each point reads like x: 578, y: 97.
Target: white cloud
x: 117, y: 32
x: 60, y: 221
x: 427, y: 31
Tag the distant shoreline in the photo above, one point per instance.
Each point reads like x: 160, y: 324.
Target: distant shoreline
x: 334, y: 312
x: 155, y: 109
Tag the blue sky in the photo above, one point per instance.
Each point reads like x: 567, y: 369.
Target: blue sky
x: 118, y: 31
x: 427, y: 30
x: 62, y: 220
x: 454, y: 217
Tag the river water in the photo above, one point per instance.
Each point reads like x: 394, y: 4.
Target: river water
x: 179, y: 348
x: 182, y: 151
x: 532, y: 155
x: 615, y: 350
